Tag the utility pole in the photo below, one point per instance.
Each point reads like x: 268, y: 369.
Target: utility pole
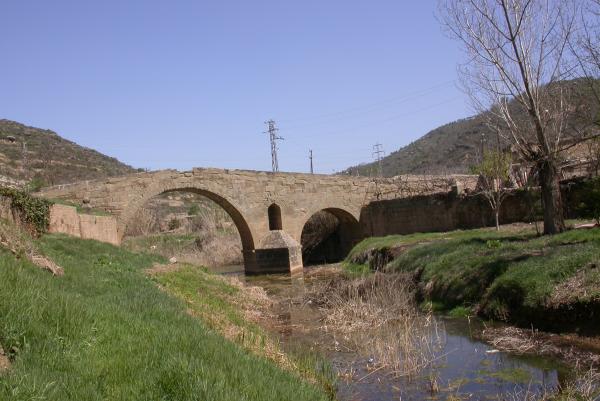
x: 272, y: 131
x: 378, y: 155
x: 310, y: 156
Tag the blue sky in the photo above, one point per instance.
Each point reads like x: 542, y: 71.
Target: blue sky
x: 177, y: 84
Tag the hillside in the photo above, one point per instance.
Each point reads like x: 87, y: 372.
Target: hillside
x: 450, y: 149
x: 28, y: 153
x: 454, y: 147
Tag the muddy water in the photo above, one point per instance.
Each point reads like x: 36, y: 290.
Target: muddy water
x: 464, y: 368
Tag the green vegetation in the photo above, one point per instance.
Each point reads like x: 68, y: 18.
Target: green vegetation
x: 35, y: 184
x: 106, y: 331
x: 222, y: 307
x: 514, y: 375
x: 511, y: 275
x: 194, y: 209
x: 35, y: 211
x: 589, y: 204
x: 80, y: 208
x: 174, y: 224
x: 166, y: 245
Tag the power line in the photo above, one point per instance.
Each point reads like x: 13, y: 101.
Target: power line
x: 273, y: 137
x: 378, y: 155
x: 354, y: 111
x: 382, y: 121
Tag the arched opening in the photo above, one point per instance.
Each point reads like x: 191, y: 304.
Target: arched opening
x: 190, y: 224
x: 274, y: 213
x: 328, y: 236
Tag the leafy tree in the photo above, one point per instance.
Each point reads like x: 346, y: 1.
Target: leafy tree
x: 494, y: 180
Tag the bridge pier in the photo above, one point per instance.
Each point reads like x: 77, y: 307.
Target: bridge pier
x: 278, y: 253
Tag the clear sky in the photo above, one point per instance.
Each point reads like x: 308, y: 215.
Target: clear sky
x: 177, y: 84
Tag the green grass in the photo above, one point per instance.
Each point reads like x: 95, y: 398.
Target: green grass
x: 104, y: 331
x: 509, y: 274
x: 164, y: 244
x: 222, y: 306
x: 80, y: 209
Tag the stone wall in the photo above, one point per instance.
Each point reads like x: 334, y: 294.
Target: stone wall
x: 449, y: 211
x: 65, y: 220
x: 439, y: 212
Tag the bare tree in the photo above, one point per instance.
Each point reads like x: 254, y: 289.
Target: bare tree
x: 494, y: 180
x: 585, y: 45
x: 516, y: 50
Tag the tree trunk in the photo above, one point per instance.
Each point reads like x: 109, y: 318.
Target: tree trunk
x: 497, y: 213
x: 551, y: 197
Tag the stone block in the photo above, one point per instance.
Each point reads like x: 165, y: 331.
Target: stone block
x: 64, y: 219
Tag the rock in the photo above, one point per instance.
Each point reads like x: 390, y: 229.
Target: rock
x: 173, y: 260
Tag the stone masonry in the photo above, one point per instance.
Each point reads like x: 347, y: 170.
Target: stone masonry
x: 247, y: 195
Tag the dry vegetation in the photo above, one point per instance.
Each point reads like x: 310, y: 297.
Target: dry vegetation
x: 28, y: 153
x: 188, y: 227
x: 584, y: 388
x: 520, y: 341
x: 377, y: 316
x: 21, y: 246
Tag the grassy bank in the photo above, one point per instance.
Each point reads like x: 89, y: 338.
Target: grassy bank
x: 511, y: 275
x: 237, y: 311
x: 106, y: 331
x: 208, y: 247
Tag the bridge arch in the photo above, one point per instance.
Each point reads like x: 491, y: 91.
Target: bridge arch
x: 240, y: 222
x: 331, y: 232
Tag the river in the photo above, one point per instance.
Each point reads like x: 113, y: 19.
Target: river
x: 463, y: 367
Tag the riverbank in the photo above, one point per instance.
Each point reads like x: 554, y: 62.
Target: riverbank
x: 382, y: 348
x: 513, y: 275
x: 106, y: 330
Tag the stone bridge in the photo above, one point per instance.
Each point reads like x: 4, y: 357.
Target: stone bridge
x: 268, y: 209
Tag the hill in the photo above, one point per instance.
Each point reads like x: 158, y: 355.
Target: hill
x: 453, y: 148
x: 28, y: 153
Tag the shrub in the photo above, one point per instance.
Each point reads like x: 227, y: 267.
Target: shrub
x: 35, y: 184
x: 174, y: 224
x: 194, y: 210
x: 35, y: 211
x: 589, y: 207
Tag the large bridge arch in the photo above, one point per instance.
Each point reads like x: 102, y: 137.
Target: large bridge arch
x: 246, y: 236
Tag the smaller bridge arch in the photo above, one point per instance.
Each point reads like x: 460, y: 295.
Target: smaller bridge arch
x: 335, y: 240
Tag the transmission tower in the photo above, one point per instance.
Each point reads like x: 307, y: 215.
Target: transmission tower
x: 310, y: 156
x: 272, y: 131
x: 378, y: 155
